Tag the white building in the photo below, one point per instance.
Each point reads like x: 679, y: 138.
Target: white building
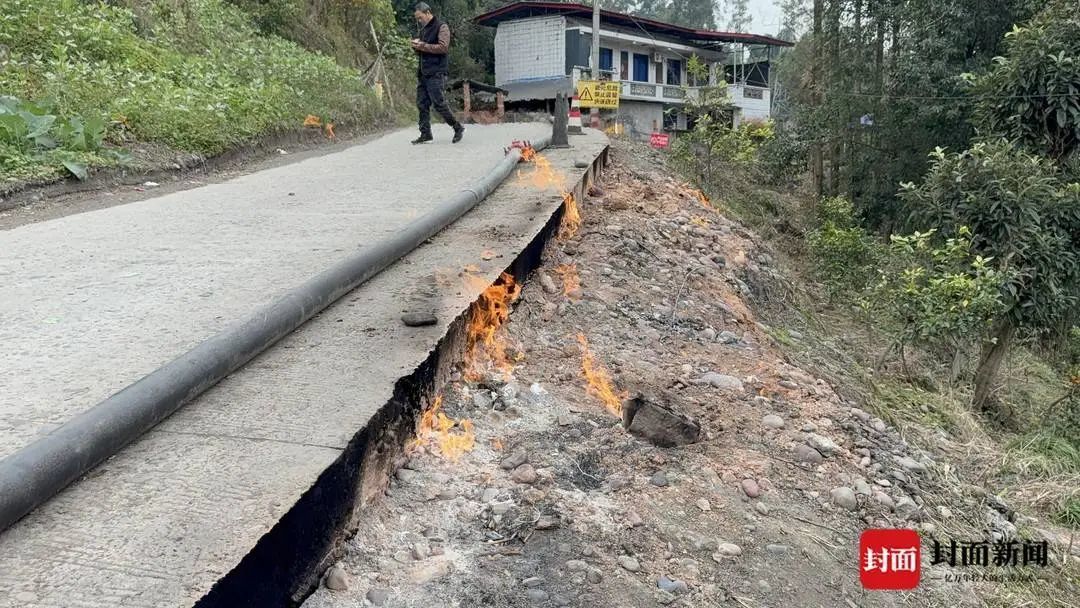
x: 542, y: 48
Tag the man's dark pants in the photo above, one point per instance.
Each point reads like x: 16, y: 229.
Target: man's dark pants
x: 429, y: 92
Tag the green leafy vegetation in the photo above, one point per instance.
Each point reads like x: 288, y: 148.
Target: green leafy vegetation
x: 937, y: 295
x: 33, y: 137
x: 844, y: 255
x: 194, y: 75
x: 941, y: 234
x: 1032, y: 94
x: 901, y: 64
x: 1069, y: 512
x: 1025, y: 217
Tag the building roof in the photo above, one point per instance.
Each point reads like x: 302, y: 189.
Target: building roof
x: 522, y: 10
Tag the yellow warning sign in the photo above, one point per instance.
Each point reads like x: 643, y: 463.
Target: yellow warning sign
x: 598, y: 94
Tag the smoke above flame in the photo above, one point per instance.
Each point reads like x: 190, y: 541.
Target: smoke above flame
x: 598, y: 380
x: 452, y: 438
x: 485, y: 348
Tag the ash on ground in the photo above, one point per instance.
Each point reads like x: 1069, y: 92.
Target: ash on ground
x: 557, y: 504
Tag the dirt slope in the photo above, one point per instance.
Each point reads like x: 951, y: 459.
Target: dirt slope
x: 558, y: 505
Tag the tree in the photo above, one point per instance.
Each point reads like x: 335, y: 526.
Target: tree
x: 738, y: 15
x: 472, y: 52
x: 693, y: 13
x: 690, y: 13
x: 899, y: 65
x: 793, y: 19
x: 1032, y: 94
x: 1027, y: 219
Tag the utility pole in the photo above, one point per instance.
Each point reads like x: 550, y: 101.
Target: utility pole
x: 594, y: 113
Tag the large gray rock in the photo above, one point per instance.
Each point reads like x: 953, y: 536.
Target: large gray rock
x: 719, y: 381
x: 845, y: 498
x: 336, y: 579
x: 629, y: 563
x: 907, y: 508
x: 772, y: 421
x: 807, y: 454
x: 910, y: 464
x: 821, y: 443
x: 419, y: 319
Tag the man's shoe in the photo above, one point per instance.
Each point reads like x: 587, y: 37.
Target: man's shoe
x: 458, y: 133
x: 423, y: 139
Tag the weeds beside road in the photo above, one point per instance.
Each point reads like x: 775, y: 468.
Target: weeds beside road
x: 195, y: 77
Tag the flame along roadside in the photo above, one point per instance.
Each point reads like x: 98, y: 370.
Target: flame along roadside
x: 485, y: 349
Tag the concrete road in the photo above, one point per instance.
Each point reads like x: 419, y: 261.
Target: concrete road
x: 94, y: 301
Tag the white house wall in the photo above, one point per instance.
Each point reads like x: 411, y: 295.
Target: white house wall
x: 640, y: 118
x: 535, y: 48
x: 619, y: 40
x: 530, y: 48
x: 750, y: 108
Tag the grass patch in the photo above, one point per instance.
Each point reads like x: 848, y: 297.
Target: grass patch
x: 1041, y: 454
x: 1069, y: 512
x: 195, y: 75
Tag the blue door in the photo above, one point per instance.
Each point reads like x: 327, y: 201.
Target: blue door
x: 607, y: 60
x: 641, y: 67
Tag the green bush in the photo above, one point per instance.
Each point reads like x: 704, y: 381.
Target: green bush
x: 844, y: 255
x: 31, y: 134
x: 195, y: 75
x: 1030, y: 93
x: 938, y: 293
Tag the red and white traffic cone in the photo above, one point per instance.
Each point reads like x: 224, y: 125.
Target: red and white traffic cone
x: 574, y: 123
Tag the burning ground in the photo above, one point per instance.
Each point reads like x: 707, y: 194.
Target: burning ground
x: 625, y: 433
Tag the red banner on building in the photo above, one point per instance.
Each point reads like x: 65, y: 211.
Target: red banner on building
x: 659, y: 140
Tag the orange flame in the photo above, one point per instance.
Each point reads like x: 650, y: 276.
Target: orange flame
x: 312, y: 121
x: 543, y: 175
x: 434, y: 429
x: 598, y: 381
x: 483, y: 347
x: 528, y: 154
x: 697, y: 220
x: 571, y: 219
x: 329, y: 128
x: 704, y: 200
x: 571, y: 280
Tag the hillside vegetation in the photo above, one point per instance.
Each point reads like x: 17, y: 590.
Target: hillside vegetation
x: 84, y: 80
x: 930, y: 215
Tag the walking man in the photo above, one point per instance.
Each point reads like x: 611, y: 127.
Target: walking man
x: 432, y: 46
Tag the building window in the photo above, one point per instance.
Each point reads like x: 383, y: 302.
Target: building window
x: 607, y: 61
x: 624, y: 66
x: 641, y: 67
x: 674, y: 72
x: 671, y: 119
